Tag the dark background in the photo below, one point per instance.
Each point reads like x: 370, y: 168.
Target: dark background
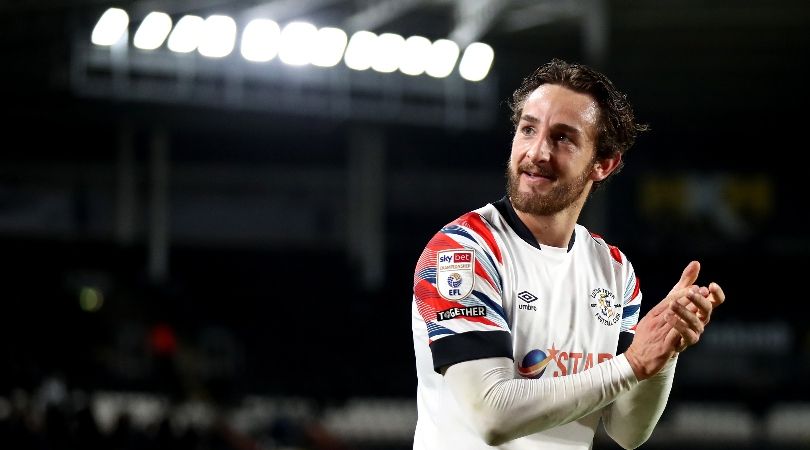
x: 271, y: 263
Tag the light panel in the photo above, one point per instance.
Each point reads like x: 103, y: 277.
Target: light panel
x: 476, y: 62
x: 261, y: 40
x: 111, y: 27
x: 442, y: 58
x: 218, y: 36
x: 185, y: 37
x: 361, y: 50
x: 415, y: 55
x: 388, y: 52
x: 329, y: 46
x: 153, y: 31
x: 297, y: 43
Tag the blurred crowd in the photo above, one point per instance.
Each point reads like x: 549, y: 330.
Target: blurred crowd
x: 53, y: 418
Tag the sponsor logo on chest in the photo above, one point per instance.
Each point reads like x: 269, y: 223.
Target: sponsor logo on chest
x: 535, y: 362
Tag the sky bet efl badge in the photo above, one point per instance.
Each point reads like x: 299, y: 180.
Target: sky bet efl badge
x: 454, y: 273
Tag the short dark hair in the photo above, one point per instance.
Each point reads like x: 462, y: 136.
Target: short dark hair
x: 617, y: 127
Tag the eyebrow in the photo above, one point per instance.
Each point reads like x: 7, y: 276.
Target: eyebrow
x: 559, y: 126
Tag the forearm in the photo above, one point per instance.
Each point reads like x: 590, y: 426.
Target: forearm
x: 504, y: 408
x: 631, y: 418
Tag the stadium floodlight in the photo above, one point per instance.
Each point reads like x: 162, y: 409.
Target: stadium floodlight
x: 111, y: 27
x: 388, y: 52
x: 361, y: 50
x: 153, y: 31
x: 218, y: 36
x: 442, y: 58
x: 186, y: 35
x: 329, y: 47
x: 476, y: 62
x: 297, y: 43
x: 261, y: 39
x: 414, y: 55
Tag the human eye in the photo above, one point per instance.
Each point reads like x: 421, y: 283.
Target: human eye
x: 561, y: 138
x: 527, y: 130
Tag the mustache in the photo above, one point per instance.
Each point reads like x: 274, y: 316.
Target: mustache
x: 543, y: 171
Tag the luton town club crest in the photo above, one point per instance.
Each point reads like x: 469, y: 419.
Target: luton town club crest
x: 455, y: 273
x: 605, y: 307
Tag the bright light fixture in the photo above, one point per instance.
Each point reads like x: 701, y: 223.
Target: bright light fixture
x: 388, y: 52
x: 329, y: 46
x: 476, y: 62
x: 442, y: 59
x: 361, y: 50
x: 414, y: 55
x: 111, y: 27
x: 153, y: 31
x: 186, y: 34
x: 297, y: 43
x: 261, y: 39
x: 218, y: 36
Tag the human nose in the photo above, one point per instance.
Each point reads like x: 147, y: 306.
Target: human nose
x: 539, y: 149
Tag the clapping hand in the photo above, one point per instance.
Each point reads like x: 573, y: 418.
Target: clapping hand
x: 674, y: 324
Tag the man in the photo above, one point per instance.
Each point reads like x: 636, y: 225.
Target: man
x: 525, y: 325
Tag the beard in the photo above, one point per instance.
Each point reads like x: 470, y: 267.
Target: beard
x: 560, y: 197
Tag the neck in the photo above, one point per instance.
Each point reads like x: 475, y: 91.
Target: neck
x: 554, y: 230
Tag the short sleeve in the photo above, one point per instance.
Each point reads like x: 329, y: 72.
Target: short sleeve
x: 458, y: 288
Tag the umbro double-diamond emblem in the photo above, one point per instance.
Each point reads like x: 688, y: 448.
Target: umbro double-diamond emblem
x: 527, y: 297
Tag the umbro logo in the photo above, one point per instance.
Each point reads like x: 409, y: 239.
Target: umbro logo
x: 527, y: 297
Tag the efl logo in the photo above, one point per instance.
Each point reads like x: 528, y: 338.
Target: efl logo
x: 462, y: 257
x: 455, y: 274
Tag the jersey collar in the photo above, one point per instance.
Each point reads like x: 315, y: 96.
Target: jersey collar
x: 504, y: 206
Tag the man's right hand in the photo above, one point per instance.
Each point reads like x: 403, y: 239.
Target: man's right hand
x: 660, y: 333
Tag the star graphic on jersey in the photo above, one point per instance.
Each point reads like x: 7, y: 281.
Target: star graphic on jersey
x: 552, y: 353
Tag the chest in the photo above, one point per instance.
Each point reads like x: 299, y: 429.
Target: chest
x: 564, y: 312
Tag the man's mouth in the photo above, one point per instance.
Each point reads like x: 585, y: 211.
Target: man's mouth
x: 539, y: 174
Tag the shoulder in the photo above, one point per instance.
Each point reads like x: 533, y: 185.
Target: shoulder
x: 598, y: 244
x: 476, y: 229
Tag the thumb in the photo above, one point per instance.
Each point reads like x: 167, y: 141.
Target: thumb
x: 689, y: 275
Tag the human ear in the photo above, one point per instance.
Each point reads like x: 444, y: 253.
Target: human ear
x: 603, y: 167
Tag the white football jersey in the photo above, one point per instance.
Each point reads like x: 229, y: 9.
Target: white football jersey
x: 484, y: 287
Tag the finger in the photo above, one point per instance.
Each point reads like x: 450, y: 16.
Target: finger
x: 700, y: 306
x: 673, y: 295
x: 705, y: 318
x: 688, y: 317
x: 674, y: 339
x: 689, y: 336
x: 717, y: 294
x: 684, y: 300
x: 680, y: 335
x: 689, y: 275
